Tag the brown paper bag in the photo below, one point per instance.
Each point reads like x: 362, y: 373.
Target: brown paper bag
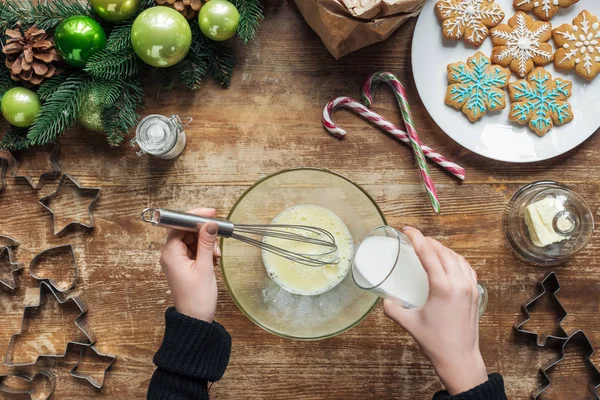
x: 348, y: 25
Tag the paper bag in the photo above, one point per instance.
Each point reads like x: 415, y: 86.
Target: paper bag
x: 348, y: 25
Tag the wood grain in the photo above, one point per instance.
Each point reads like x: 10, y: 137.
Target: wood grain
x: 270, y: 120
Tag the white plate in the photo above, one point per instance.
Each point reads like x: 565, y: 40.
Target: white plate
x: 494, y: 136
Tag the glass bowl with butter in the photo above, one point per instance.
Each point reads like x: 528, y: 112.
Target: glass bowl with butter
x: 546, y: 223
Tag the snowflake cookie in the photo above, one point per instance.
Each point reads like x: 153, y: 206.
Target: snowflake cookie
x: 543, y: 9
x: 522, y: 44
x: 477, y: 86
x: 541, y: 101
x: 470, y: 19
x: 579, y: 45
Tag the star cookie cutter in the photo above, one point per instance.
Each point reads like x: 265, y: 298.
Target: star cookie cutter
x: 549, y: 284
x: 3, y: 169
x: 6, y: 254
x: 582, y: 340
x: 53, y: 250
x: 79, y: 375
x: 80, y: 321
x: 46, y: 201
x: 18, y: 159
x: 29, y: 386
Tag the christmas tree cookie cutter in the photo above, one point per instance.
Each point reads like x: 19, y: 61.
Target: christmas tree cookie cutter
x: 80, y: 322
x: 548, y: 285
x: 6, y: 255
x: 53, y: 156
x: 29, y: 384
x: 33, y: 266
x: 95, y: 192
x: 582, y: 340
x: 3, y: 169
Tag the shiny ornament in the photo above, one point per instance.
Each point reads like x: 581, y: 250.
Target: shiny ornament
x: 161, y: 36
x: 90, y: 113
x: 115, y: 10
x: 20, y: 106
x: 219, y: 20
x: 78, y: 38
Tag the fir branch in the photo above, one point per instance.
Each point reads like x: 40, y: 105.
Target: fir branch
x: 120, y: 37
x: 108, y: 92
x: 49, y: 86
x: 192, y: 72
x: 251, y: 13
x: 120, y: 117
x: 167, y: 77
x: 60, y: 109
x: 6, y: 81
x: 44, y: 14
x: 218, y: 59
x: 116, y: 65
x: 144, y: 4
x: 14, y: 139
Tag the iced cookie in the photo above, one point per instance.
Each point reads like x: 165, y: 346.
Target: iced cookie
x: 540, y: 101
x: 477, y: 86
x: 468, y: 19
x: 522, y: 44
x: 543, y: 9
x: 579, y: 45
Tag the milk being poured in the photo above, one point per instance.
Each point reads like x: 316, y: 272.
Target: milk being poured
x: 396, y: 275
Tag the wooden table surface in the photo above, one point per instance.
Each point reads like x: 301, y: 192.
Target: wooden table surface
x: 270, y: 119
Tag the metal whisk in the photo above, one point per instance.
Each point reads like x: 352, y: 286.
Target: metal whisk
x: 227, y: 229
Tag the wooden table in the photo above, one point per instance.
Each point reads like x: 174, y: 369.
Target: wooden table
x: 270, y: 119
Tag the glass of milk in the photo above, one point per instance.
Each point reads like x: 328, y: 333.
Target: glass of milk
x: 386, y: 264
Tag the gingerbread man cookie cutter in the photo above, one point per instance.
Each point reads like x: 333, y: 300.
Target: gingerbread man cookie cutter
x: 29, y: 386
x: 45, y: 202
x: 33, y: 266
x: 45, y: 176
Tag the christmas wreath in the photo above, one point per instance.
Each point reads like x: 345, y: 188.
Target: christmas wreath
x: 68, y: 61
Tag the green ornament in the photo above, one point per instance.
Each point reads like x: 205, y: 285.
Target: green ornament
x: 161, y: 36
x: 219, y: 20
x: 115, y: 10
x: 20, y: 106
x: 77, y: 38
x: 90, y: 113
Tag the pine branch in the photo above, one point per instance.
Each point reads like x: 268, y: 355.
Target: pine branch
x: 108, y: 92
x: 120, y: 117
x: 59, y: 110
x: 113, y: 65
x: 167, y: 77
x: 14, y: 139
x: 218, y: 59
x: 120, y: 37
x: 49, y: 86
x: 192, y: 72
x: 45, y: 14
x: 6, y: 81
x: 251, y: 13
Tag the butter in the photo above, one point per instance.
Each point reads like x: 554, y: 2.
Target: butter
x: 539, y: 218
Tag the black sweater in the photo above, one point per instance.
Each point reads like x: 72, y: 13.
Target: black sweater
x: 195, y: 352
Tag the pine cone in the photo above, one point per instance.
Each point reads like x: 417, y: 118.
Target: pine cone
x: 188, y: 8
x: 31, y: 57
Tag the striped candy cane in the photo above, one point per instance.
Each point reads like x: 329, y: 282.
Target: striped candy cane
x: 371, y: 116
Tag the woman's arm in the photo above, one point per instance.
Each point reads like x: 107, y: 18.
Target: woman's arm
x: 195, y: 349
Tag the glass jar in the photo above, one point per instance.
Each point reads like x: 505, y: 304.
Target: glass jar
x: 160, y: 136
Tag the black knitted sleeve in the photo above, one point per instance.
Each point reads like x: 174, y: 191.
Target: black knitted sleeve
x: 192, y: 354
x: 493, y: 389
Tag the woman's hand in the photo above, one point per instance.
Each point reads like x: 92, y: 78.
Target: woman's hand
x: 188, y: 261
x: 447, y: 326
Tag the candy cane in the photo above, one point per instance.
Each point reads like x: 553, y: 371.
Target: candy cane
x: 371, y: 116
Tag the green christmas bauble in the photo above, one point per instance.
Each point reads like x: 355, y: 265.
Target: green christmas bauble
x: 78, y: 38
x: 161, y: 36
x: 90, y: 113
x: 219, y: 20
x: 115, y: 10
x: 20, y: 106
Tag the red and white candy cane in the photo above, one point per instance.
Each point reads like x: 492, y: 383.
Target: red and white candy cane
x: 371, y: 116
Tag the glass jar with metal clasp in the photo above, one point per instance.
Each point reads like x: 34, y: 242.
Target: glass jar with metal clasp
x: 160, y: 136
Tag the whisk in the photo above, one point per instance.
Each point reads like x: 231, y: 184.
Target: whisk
x: 297, y: 233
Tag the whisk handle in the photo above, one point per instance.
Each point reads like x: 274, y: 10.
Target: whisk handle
x: 184, y: 221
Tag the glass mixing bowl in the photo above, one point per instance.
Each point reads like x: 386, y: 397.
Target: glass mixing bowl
x: 263, y: 301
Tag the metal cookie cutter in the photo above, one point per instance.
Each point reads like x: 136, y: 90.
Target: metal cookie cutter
x: 581, y: 339
x: 549, y: 284
x: 93, y: 191
x: 3, y: 169
x: 80, y: 321
x: 17, y: 157
x: 93, y: 381
x: 6, y: 256
x: 29, y: 384
x: 58, y: 249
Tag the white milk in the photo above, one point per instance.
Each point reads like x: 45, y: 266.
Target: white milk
x: 408, y: 281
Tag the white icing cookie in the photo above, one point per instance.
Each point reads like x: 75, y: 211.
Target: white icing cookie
x: 469, y: 19
x: 543, y: 9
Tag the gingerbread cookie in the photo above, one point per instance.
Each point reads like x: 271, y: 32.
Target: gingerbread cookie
x: 540, y: 101
x: 469, y: 19
x: 522, y: 44
x: 579, y: 45
x: 543, y: 9
x: 477, y: 86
